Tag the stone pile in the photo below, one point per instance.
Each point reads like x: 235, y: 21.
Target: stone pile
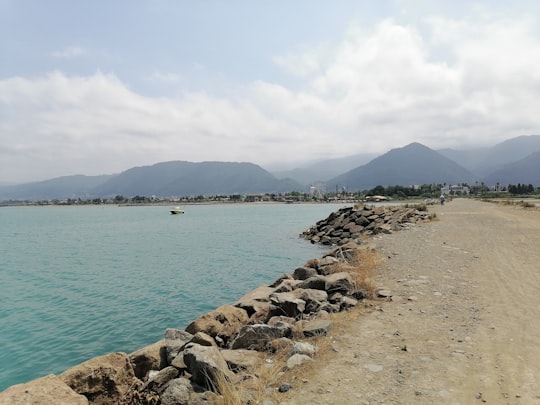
x: 233, y: 342
x: 350, y: 223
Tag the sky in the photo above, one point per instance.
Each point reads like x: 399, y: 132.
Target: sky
x: 97, y: 87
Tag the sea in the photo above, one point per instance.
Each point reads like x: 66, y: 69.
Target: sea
x: 78, y: 282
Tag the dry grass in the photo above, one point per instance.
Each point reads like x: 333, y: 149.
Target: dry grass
x: 253, y: 387
x: 361, y: 267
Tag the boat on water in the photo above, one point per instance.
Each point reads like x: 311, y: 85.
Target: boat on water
x: 177, y: 210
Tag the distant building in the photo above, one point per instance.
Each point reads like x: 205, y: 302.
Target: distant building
x: 455, y: 190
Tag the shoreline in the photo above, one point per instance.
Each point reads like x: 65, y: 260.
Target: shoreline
x: 371, y: 210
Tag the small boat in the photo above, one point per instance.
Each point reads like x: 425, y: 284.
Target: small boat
x: 177, y: 210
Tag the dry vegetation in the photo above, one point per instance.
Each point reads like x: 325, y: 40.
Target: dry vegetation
x: 264, y: 383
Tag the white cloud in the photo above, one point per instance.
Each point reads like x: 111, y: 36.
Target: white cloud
x: 378, y: 89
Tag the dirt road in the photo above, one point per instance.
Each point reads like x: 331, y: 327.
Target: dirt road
x: 463, y: 325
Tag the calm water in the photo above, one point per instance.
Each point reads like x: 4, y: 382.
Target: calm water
x: 78, y: 282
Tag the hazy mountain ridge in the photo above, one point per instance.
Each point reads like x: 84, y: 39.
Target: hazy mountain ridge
x: 176, y: 178
x: 524, y: 171
x: 77, y: 186
x: 324, y: 170
x: 484, y: 161
x: 514, y: 161
x: 412, y: 164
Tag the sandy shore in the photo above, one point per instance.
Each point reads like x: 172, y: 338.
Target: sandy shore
x: 462, y: 326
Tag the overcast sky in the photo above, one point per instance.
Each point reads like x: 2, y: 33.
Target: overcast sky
x: 97, y: 87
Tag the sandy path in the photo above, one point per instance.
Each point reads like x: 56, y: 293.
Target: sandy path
x: 463, y: 326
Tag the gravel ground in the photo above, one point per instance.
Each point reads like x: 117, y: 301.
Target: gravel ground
x: 462, y: 325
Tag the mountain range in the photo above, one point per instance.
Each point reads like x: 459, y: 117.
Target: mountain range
x: 514, y: 161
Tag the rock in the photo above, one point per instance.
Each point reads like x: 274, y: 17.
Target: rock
x: 175, y: 340
x: 171, y: 333
x: 203, y: 339
x: 339, y: 282
x: 384, y: 293
x: 206, y: 365
x: 351, y: 223
x: 103, y: 380
x: 287, y: 286
x: 284, y: 387
x: 297, y: 360
x: 225, y: 322
x: 317, y: 327
x: 160, y: 379
x: 313, y: 283
x: 279, y: 345
x: 313, y: 299
x: 304, y: 348
x: 177, y: 392
x: 347, y: 302
x: 303, y: 273
x: 286, y: 304
x: 178, y: 362
x: 280, y: 279
x: 256, y: 300
x: 146, y: 359
x: 241, y: 360
x: 255, y: 337
x: 45, y: 390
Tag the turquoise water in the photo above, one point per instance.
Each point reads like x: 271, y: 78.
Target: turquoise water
x: 78, y: 282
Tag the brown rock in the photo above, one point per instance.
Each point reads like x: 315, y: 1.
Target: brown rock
x: 224, y: 322
x: 45, y: 390
x: 103, y: 380
x: 146, y: 359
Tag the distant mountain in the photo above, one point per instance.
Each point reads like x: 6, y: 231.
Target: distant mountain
x: 483, y: 161
x: 513, y: 161
x: 77, y: 186
x: 181, y: 178
x: 323, y: 170
x: 524, y: 171
x: 412, y: 164
x: 162, y: 179
x: 469, y: 159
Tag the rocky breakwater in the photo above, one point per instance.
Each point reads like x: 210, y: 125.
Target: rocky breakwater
x: 354, y: 223
x: 237, y: 345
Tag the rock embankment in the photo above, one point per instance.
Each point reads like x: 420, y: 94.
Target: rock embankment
x: 351, y: 223
x: 234, y: 343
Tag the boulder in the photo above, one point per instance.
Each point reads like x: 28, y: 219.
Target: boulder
x: 304, y: 348
x: 203, y: 339
x: 241, y: 359
x: 160, y: 379
x: 256, y: 300
x: 279, y: 345
x: 175, y: 340
x: 297, y: 360
x: 313, y: 298
x: 287, y: 285
x: 339, y: 282
x: 45, y: 390
x: 103, y: 380
x: 255, y: 337
x: 206, y: 365
x: 347, y: 302
x: 177, y: 392
x: 146, y: 359
x: 224, y: 322
x: 317, y: 327
x: 286, y: 304
x: 313, y: 283
x: 302, y: 273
